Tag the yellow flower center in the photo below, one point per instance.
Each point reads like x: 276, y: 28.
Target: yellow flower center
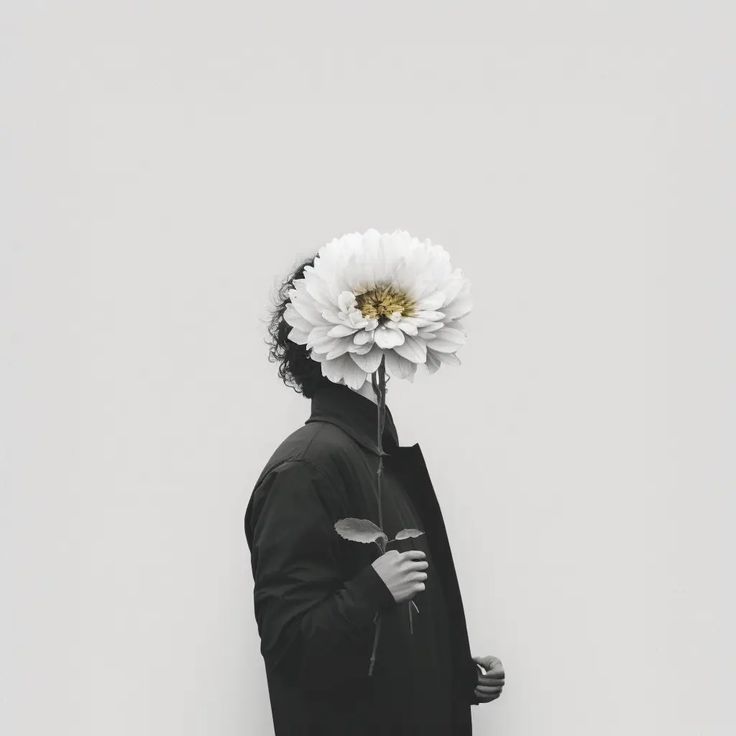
x: 382, y: 301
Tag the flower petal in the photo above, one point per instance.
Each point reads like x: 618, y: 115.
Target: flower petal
x: 447, y: 340
x: 295, y: 319
x: 298, y: 336
x: 340, y: 349
x: 428, y: 315
x: 388, y: 338
x: 330, y: 315
x: 453, y: 286
x: 308, y: 310
x: 346, y: 300
x: 324, y: 344
x: 341, y: 331
x: 412, y: 349
x: 356, y: 318
x: 459, y: 308
x: 370, y: 361
x: 318, y: 289
x: 433, y: 363
x: 449, y: 358
x: 391, y: 325
x: 344, y: 370
x: 360, y: 349
x: 432, y: 301
x: 408, y: 327
x: 362, y: 337
x: 398, y: 366
x: 317, y: 333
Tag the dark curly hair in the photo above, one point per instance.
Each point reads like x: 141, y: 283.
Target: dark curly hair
x: 296, y: 369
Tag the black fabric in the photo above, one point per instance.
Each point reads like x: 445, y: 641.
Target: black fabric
x: 315, y: 594
x: 414, y: 663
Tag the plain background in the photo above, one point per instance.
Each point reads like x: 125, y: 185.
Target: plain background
x: 165, y: 163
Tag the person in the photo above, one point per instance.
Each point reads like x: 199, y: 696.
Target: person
x: 318, y: 598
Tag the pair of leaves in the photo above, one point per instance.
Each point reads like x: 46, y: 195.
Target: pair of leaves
x: 365, y: 531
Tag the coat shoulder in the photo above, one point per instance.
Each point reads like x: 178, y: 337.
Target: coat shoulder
x: 327, y: 449
x: 331, y: 458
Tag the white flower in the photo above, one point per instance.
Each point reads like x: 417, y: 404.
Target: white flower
x: 372, y: 294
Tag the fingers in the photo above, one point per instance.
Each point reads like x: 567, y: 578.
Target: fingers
x: 487, y: 692
x: 414, y: 554
x: 486, y: 698
x: 484, y: 662
x: 491, y: 682
x: 492, y: 665
x: 490, y: 685
x: 492, y: 677
x: 488, y: 689
x: 414, y: 559
x: 412, y: 563
x: 496, y: 665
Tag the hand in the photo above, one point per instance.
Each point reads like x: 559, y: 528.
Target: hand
x: 402, y: 572
x: 490, y: 684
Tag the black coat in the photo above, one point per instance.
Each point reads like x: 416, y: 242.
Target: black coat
x: 315, y: 593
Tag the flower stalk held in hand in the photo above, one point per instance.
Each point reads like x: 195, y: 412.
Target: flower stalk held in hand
x: 364, y: 530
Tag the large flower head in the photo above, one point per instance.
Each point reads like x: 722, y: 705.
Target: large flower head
x: 371, y: 295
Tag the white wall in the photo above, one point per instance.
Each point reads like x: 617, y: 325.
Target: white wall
x: 163, y: 163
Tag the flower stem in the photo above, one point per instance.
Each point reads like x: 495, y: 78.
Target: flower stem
x: 378, y: 380
x: 375, y: 643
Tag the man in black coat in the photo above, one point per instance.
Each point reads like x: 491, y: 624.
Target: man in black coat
x: 317, y: 595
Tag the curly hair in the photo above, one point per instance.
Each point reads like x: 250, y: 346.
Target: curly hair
x: 296, y: 369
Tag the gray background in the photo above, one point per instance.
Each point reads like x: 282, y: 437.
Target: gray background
x: 163, y: 163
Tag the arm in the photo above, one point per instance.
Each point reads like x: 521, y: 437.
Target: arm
x: 306, y: 613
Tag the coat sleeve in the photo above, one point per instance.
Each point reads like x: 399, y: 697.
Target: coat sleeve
x: 304, y: 609
x: 465, y: 682
x: 478, y: 672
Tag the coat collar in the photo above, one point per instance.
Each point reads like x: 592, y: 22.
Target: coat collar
x: 355, y: 414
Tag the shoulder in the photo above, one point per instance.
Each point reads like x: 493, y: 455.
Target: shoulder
x: 318, y: 460
x: 322, y: 449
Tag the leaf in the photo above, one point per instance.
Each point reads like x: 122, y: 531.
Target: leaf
x: 359, y: 530
x: 408, y: 533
